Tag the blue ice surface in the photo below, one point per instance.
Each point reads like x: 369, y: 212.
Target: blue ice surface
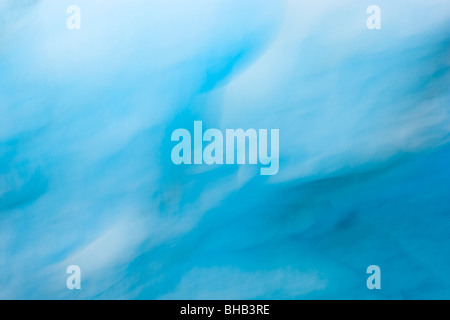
x: 86, y: 176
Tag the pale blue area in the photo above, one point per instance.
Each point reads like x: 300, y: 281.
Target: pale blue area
x: 86, y: 176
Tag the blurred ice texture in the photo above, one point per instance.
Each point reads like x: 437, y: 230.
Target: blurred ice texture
x: 85, y: 170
